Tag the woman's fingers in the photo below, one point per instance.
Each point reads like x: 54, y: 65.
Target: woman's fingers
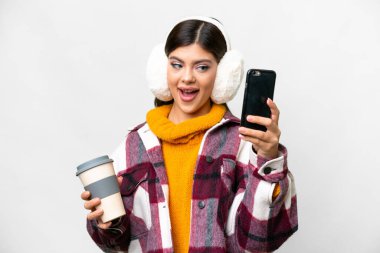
x: 257, y: 134
x: 270, y: 124
x: 258, y: 137
x: 96, y: 214
x: 275, y: 112
x: 85, y: 195
x: 256, y: 142
x: 259, y: 120
x: 91, y: 204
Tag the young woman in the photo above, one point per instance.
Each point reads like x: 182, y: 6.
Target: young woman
x: 192, y: 179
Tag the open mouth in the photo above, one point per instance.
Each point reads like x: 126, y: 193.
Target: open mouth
x: 188, y: 95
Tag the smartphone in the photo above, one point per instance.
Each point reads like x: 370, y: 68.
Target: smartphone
x: 259, y: 86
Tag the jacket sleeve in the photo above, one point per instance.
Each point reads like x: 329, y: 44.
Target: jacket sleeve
x: 256, y: 221
x: 114, y: 239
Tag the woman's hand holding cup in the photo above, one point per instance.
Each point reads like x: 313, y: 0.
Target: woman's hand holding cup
x: 95, y: 214
x: 91, y: 204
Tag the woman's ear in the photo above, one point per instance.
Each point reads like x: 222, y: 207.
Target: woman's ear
x: 156, y: 73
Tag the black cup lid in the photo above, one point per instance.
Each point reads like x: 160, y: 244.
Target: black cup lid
x: 93, y: 163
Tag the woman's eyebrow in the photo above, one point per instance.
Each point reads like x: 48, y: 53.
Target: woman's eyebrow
x: 175, y: 58
x: 195, y: 62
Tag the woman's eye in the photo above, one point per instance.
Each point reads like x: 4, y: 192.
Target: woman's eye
x: 176, y: 65
x: 203, y: 67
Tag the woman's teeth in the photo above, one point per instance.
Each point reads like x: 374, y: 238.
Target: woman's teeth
x: 189, y: 91
x: 188, y: 95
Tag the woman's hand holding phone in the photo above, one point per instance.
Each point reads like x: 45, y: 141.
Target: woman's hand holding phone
x: 265, y: 143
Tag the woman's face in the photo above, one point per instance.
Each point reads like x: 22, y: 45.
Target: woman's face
x: 191, y: 73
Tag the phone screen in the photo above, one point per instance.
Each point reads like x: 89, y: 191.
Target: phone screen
x: 259, y: 87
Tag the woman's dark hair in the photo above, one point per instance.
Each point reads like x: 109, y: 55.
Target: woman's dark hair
x: 188, y: 32
x: 207, y: 35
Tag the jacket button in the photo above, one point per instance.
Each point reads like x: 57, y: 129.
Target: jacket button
x: 201, y: 204
x: 267, y: 170
x: 209, y: 159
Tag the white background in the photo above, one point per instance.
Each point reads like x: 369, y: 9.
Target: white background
x: 72, y: 80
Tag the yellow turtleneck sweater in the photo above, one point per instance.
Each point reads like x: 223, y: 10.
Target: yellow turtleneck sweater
x: 180, y: 146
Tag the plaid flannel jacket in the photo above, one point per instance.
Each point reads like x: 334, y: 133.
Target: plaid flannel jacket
x: 231, y: 207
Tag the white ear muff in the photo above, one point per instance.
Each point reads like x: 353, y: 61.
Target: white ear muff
x: 156, y: 73
x: 228, y: 77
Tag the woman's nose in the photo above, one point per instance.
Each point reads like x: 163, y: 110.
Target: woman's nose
x: 188, y: 76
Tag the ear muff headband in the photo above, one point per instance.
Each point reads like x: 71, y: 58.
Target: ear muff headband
x: 228, y: 77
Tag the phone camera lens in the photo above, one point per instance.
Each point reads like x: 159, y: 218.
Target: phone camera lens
x: 257, y: 73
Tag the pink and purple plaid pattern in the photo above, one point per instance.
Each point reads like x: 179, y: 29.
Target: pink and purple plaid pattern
x: 231, y: 209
